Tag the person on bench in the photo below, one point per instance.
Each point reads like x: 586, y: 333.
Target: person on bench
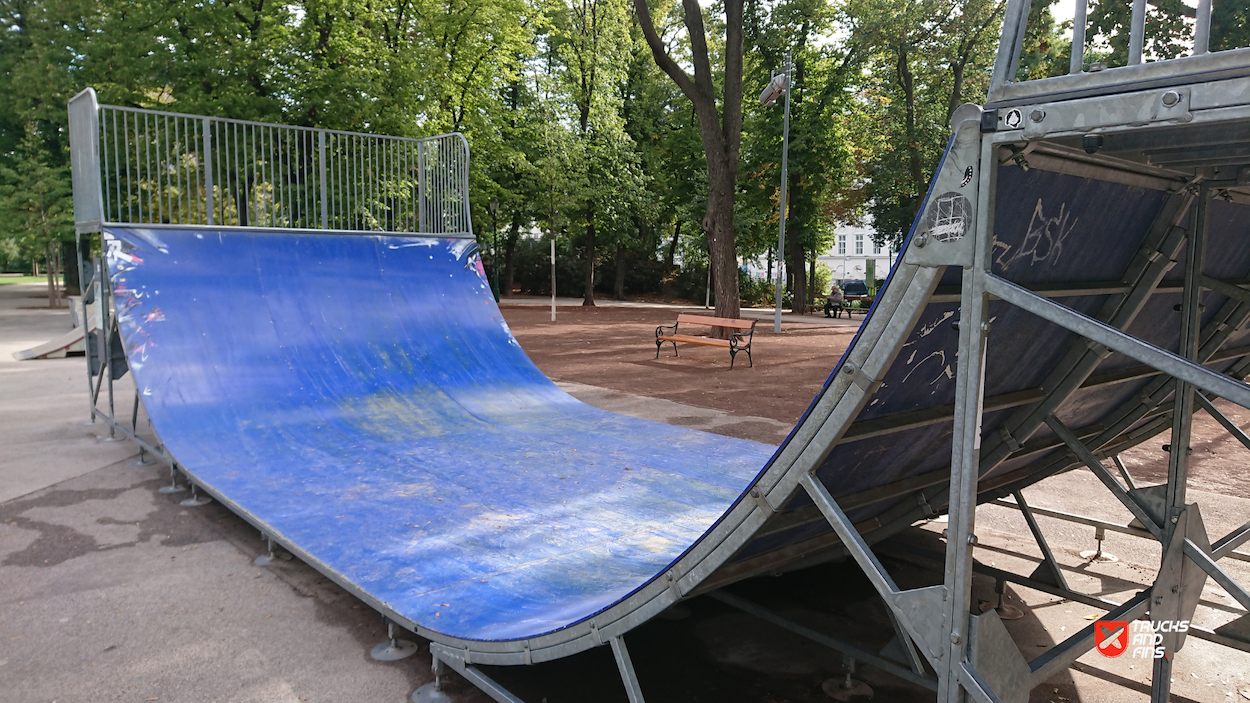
x: 834, y: 301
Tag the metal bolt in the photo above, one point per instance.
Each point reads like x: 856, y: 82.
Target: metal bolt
x: 1173, y: 519
x: 1171, y: 98
x: 955, y: 638
x: 1038, y: 114
x: 1158, y: 600
x: 922, y: 240
x: 1176, y: 589
x: 972, y: 539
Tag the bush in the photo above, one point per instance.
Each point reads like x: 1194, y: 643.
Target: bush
x: 756, y: 292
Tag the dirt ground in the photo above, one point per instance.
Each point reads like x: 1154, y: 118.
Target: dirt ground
x: 614, y: 347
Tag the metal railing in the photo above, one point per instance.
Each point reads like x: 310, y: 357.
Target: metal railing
x: 137, y: 166
x: 1136, y: 69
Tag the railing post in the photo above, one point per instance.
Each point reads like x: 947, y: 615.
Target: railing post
x: 208, y: 172
x: 1202, y: 28
x: 464, y: 196
x: 1137, y: 33
x: 421, y: 215
x: 325, y: 190
x: 1077, y: 63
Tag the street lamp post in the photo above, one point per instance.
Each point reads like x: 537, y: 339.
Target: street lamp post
x: 778, y: 85
x: 493, y: 204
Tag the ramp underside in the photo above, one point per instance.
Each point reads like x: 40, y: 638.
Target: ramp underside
x: 1052, y: 233
x: 362, y: 398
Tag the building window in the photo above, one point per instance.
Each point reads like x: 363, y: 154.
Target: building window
x: 876, y: 248
x: 842, y: 244
x: 859, y: 244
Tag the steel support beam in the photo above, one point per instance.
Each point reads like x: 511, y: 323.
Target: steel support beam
x: 1237, y: 433
x: 1062, y: 655
x: 1218, y: 574
x: 1226, y: 544
x: 1048, y: 557
x: 1117, y: 340
x: 455, y: 659
x: 1083, y: 453
x: 954, y: 677
x: 846, y: 648
x: 626, y: 667
x: 1216, y: 552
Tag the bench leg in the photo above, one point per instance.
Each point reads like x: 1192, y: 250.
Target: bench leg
x: 658, y: 344
x: 675, y: 349
x: 733, y: 354
x: 749, y: 357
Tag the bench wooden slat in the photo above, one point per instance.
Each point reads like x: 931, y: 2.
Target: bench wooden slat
x: 715, y: 321
x: 692, y: 339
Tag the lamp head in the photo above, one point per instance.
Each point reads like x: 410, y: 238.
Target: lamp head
x: 775, y: 89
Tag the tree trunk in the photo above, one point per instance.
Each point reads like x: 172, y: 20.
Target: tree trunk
x: 50, y: 270
x: 798, y: 282
x: 509, y: 262
x: 672, y: 247
x: 618, y: 291
x: 811, y: 283
x: 720, y: 130
x: 907, y: 82
x: 589, y: 298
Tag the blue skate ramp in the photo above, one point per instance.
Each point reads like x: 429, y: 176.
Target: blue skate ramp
x: 360, y: 397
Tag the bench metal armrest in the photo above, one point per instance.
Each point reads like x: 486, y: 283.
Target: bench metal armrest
x: 735, y: 339
x: 665, y: 327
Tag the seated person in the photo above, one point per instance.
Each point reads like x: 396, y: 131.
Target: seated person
x: 834, y: 302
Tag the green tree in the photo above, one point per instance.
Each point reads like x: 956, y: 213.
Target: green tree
x: 719, y: 113
x: 37, y: 202
x: 928, y: 58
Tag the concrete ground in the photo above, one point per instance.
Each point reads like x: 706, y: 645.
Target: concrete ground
x: 110, y: 590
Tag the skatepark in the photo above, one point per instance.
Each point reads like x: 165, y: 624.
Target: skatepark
x: 346, y: 444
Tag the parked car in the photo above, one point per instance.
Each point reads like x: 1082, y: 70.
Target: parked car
x: 854, y: 286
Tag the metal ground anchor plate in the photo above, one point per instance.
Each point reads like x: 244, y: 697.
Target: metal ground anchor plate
x: 429, y: 694
x: 1006, y: 611
x: 196, y: 501
x: 172, y: 488
x: 277, y: 558
x: 836, y: 689
x: 394, y: 650
x: 1094, y: 556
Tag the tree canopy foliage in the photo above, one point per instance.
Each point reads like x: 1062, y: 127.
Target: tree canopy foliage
x: 628, y: 131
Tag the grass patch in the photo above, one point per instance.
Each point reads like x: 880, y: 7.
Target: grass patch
x: 9, y: 280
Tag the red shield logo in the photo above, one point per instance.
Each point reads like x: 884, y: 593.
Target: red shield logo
x: 1111, y: 636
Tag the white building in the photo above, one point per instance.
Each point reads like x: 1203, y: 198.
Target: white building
x: 849, y: 256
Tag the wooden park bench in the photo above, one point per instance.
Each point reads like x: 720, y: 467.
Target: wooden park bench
x: 734, y: 344
x: 864, y: 300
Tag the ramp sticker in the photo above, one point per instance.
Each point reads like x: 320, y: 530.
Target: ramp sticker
x: 948, y: 217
